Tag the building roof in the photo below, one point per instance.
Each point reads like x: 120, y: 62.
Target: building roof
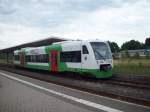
x: 38, y: 43
x: 131, y: 51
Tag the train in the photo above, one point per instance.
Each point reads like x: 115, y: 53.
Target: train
x: 82, y: 57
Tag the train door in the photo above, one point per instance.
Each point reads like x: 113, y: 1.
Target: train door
x: 22, y: 58
x: 54, y: 61
x: 85, y: 57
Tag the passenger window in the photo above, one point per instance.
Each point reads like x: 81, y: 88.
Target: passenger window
x: 41, y: 58
x: 84, y: 50
x: 70, y: 56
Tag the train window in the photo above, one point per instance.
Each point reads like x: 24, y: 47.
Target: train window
x: 101, y: 50
x: 42, y: 58
x: 84, y: 50
x: 16, y: 57
x: 26, y: 58
x: 71, y: 56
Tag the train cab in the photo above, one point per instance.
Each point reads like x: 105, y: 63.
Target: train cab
x: 97, y: 58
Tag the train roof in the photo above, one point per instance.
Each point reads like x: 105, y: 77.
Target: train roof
x: 78, y: 41
x: 43, y: 42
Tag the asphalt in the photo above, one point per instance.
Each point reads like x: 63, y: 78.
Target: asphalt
x: 17, y: 96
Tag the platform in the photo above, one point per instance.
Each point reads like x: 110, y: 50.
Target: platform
x: 23, y: 94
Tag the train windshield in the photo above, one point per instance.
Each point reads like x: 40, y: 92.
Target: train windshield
x: 101, y: 50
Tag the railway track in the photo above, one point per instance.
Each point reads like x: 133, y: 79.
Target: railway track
x: 122, y: 81
x: 80, y: 83
x: 132, y: 84
x: 144, y: 80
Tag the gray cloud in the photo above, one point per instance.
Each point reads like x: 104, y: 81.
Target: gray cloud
x: 41, y: 18
x: 48, y: 13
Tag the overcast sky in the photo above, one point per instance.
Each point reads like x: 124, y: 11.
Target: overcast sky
x: 23, y: 21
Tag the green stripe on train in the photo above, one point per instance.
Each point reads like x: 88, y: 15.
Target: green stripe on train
x: 40, y: 67
x: 94, y: 72
x: 61, y: 65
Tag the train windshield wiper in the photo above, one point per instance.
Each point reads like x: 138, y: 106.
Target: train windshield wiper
x: 100, y: 55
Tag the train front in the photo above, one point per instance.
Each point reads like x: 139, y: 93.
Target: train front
x: 103, y: 58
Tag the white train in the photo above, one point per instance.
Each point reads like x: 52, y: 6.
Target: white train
x: 84, y: 57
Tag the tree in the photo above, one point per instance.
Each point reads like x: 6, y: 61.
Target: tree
x: 132, y: 45
x: 114, y: 47
x: 147, y: 43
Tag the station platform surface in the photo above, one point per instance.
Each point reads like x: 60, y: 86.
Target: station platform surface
x: 24, y: 94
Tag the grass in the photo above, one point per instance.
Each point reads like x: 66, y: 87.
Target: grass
x: 132, y: 66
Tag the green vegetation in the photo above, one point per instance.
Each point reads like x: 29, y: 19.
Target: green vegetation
x: 132, y: 66
x: 114, y: 47
x: 130, y: 45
